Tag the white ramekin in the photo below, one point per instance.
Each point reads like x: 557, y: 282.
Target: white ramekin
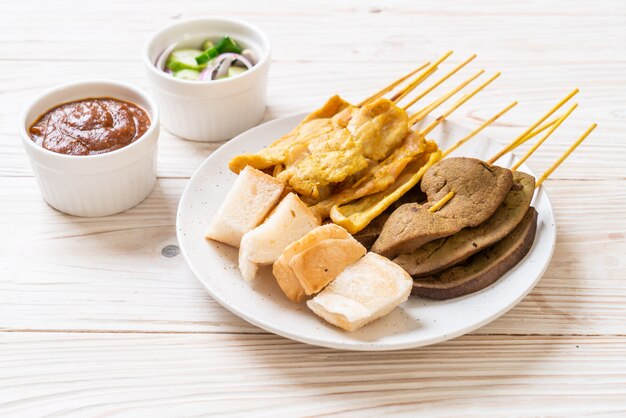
x: 209, y: 111
x: 94, y: 185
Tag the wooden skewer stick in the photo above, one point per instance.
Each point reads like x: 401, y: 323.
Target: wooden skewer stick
x: 513, y: 145
x: 478, y: 130
x: 438, y: 82
x: 565, y: 155
x: 393, y: 85
x: 456, y: 105
x: 524, y: 136
x: 442, y: 202
x: 418, y: 80
x: 542, y: 128
x: 543, y: 139
x: 426, y: 110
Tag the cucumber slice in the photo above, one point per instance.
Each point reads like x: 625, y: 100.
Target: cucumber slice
x: 184, y: 59
x: 187, y: 75
x: 235, y: 71
x: 207, y: 45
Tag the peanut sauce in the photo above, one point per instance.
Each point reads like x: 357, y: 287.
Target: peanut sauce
x: 90, y: 126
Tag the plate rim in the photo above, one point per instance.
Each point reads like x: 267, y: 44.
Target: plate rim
x: 357, y: 346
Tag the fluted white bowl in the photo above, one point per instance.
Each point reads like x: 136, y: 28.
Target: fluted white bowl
x: 94, y: 185
x: 214, y: 110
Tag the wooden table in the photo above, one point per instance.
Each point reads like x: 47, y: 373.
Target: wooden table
x: 102, y: 317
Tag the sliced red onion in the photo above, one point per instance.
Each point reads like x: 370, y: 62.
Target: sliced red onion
x: 162, y: 59
x: 207, y: 72
x: 225, y: 63
x: 247, y: 54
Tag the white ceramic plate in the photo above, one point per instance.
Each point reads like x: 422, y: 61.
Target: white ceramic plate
x: 415, y: 323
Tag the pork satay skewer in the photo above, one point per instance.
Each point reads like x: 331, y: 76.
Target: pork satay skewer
x: 456, y: 105
x: 558, y: 123
x: 565, y: 155
x: 420, y: 78
x: 524, y: 136
x: 438, y: 82
x: 478, y: 130
x: 543, y: 139
x: 393, y: 85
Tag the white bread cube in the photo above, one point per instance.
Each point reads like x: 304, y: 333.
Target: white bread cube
x: 368, y: 289
x: 247, y: 204
x: 290, y: 220
x: 309, y: 264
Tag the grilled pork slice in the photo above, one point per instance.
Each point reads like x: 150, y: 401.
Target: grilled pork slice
x: 290, y: 221
x: 479, y: 189
x: 446, y: 252
x: 368, y: 289
x: 409, y: 227
x: 247, y: 204
x: 483, y: 268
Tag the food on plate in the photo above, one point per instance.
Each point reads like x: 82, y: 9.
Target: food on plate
x: 335, y: 143
x: 483, y: 268
x: 409, y: 227
x: 356, y: 215
x: 351, y: 162
x: 90, y: 126
x: 248, y: 202
x: 366, y: 290
x: 380, y: 176
x: 289, y: 221
x: 479, y: 188
x: 437, y: 227
x: 445, y: 252
x: 310, y: 263
x: 209, y: 61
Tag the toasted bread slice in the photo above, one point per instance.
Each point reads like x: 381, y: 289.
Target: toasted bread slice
x: 368, y: 289
x: 309, y: 264
x: 289, y: 221
x: 247, y: 204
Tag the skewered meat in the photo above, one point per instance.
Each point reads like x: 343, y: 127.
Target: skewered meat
x: 479, y: 189
x: 483, y: 268
x: 445, y: 252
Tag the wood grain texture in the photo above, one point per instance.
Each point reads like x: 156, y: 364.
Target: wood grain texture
x: 267, y: 376
x: 95, y: 321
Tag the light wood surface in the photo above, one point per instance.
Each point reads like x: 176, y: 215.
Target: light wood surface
x: 96, y: 321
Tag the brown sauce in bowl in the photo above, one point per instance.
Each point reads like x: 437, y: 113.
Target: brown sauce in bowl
x: 90, y: 126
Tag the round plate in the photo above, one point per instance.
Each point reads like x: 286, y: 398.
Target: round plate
x: 415, y: 323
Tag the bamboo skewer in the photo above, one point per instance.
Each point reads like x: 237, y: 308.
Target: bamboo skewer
x: 457, y: 104
x: 543, y: 139
x: 478, y: 130
x: 524, y: 136
x: 440, y: 81
x: 419, y: 79
x: 541, y: 128
x: 565, y: 155
x: 393, y: 85
x: 434, y: 208
x: 421, y: 114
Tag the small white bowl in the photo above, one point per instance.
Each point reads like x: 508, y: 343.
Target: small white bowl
x: 94, y: 185
x: 216, y: 110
